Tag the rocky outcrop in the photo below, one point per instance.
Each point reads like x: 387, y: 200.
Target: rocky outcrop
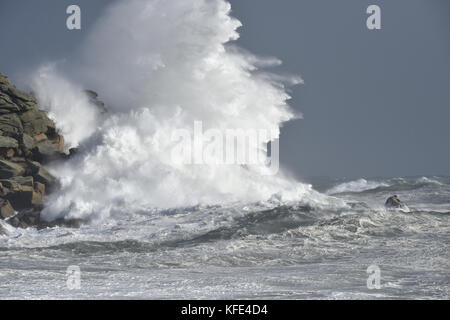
x: 28, y: 140
x: 394, y: 202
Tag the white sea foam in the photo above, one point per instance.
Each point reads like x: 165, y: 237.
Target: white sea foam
x: 160, y: 66
x: 356, y: 186
x: 426, y: 180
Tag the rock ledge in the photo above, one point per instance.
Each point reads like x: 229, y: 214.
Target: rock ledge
x: 28, y: 140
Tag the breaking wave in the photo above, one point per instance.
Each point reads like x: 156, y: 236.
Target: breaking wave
x: 355, y: 186
x: 387, y: 185
x: 162, y: 65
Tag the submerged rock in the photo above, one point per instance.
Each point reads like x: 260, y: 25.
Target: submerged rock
x: 394, y: 202
x: 20, y: 192
x: 69, y: 223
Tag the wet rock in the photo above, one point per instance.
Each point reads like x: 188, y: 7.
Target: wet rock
x: 10, y: 169
x: 8, y: 146
x: 3, y: 191
x: 35, y: 122
x: 394, y: 202
x: 39, y: 188
x: 40, y: 137
x: 28, y: 140
x: 9, y: 153
x: 21, y: 192
x: 15, y: 222
x: 22, y: 162
x: 7, y: 105
x: 8, y: 142
x: 73, y: 151
x: 6, y: 210
x: 10, y: 125
x: 41, y: 174
x: 46, y: 152
x: 28, y: 217
x: 23, y: 100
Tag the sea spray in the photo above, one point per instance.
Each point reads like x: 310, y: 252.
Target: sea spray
x: 161, y: 66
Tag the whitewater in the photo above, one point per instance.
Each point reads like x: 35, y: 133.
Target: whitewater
x: 160, y: 229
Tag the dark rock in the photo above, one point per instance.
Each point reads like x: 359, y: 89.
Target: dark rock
x: 15, y: 222
x: 73, y: 151
x: 21, y: 193
x: 7, y: 105
x: 37, y: 199
x: 23, y: 100
x: 23, y: 181
x: 39, y: 188
x: 8, y: 142
x: 8, y: 146
x: 25, y: 218
x: 21, y: 162
x: 41, y: 175
x: 28, y: 139
x: 40, y: 137
x: 23, y: 225
x: 3, y: 191
x: 10, y: 169
x: 10, y: 125
x: 28, y: 142
x: 9, y: 153
x: 69, y: 223
x: 35, y: 121
x: 45, y: 152
x: 394, y: 202
x: 6, y: 210
x: 93, y: 99
x: 58, y: 143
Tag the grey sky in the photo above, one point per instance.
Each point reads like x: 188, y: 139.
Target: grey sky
x: 375, y: 103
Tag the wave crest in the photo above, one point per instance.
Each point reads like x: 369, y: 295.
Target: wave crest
x: 161, y: 65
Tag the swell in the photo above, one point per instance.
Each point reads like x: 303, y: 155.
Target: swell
x: 281, y: 222
x: 161, y: 81
x: 399, y: 185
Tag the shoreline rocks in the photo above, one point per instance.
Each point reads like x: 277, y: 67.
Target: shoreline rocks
x: 28, y: 140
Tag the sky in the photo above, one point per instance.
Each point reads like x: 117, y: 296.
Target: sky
x: 375, y: 103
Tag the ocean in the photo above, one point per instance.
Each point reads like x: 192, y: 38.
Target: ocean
x: 261, y: 250
x: 160, y: 228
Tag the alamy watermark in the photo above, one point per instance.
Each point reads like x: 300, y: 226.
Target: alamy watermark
x: 73, y: 274
x: 374, y: 20
x: 234, y: 146
x: 73, y: 22
x: 374, y: 279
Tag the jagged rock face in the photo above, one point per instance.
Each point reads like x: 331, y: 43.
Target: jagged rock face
x: 28, y: 139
